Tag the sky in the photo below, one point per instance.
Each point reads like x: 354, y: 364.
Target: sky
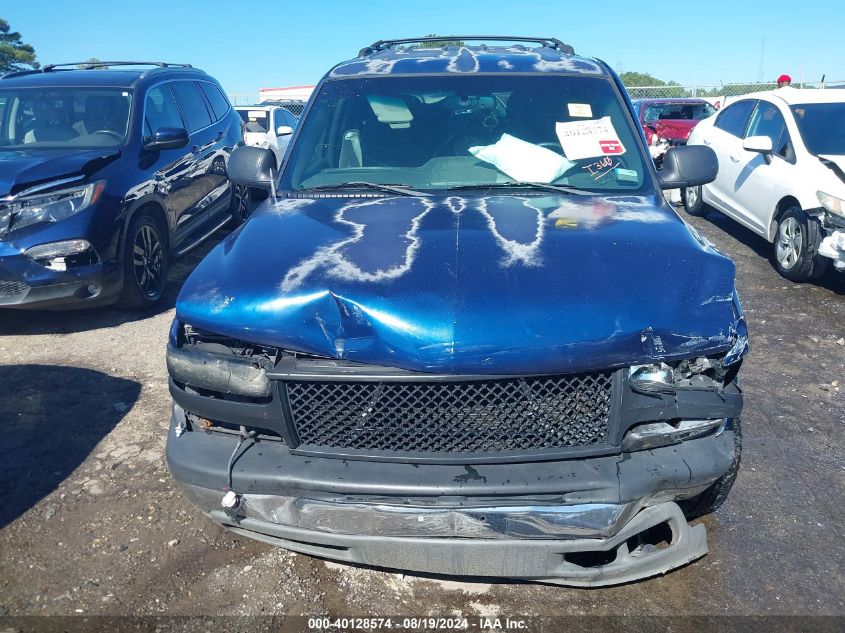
x: 267, y: 43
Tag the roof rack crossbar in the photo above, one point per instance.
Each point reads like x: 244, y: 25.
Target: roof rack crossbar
x: 90, y: 65
x: 550, y: 42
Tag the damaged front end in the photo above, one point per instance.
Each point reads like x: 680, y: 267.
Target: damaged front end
x: 568, y: 478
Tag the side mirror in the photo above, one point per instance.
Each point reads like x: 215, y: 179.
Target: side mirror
x: 167, y: 138
x: 252, y: 167
x: 688, y: 166
x: 284, y: 130
x: 762, y: 144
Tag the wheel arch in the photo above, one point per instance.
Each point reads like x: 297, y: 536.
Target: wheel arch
x: 787, y: 202
x: 154, y: 208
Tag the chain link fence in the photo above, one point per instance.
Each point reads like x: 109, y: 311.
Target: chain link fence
x: 672, y: 91
x: 244, y: 99
x: 294, y: 106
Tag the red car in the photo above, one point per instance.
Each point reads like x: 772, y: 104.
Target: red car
x: 670, y: 121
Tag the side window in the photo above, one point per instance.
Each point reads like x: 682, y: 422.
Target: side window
x: 218, y: 101
x: 283, y: 117
x: 783, y: 146
x: 734, y: 118
x: 192, y: 104
x: 768, y: 121
x: 160, y: 111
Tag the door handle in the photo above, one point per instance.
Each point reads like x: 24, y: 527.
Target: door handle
x: 735, y: 158
x: 706, y: 141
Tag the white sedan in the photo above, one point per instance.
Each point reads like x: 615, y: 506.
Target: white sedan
x: 782, y: 174
x: 269, y: 127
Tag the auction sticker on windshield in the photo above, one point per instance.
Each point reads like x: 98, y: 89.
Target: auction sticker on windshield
x: 588, y: 139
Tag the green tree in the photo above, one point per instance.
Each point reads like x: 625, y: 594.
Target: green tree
x: 14, y: 54
x: 636, y: 80
x: 90, y: 60
x: 440, y: 43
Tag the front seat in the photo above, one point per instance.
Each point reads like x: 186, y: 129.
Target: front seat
x: 47, y: 126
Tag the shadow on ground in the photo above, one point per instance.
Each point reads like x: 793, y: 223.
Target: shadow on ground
x: 832, y: 280
x: 51, y: 418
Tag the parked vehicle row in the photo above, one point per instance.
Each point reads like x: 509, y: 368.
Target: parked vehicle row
x: 108, y: 172
x: 669, y: 122
x: 781, y: 174
x: 267, y: 126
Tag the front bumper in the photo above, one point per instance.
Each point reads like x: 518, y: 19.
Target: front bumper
x: 583, y: 522
x: 833, y: 247
x: 27, y: 284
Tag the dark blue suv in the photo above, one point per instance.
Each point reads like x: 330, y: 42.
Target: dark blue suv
x: 108, y: 170
x: 465, y: 334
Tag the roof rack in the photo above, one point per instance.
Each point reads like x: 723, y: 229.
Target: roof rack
x: 550, y: 42
x: 90, y: 65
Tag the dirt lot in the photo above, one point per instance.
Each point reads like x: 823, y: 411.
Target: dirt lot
x: 91, y: 523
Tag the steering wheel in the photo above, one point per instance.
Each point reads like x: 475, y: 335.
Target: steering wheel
x: 117, y: 137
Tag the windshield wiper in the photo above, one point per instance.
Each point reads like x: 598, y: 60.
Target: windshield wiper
x: 399, y: 189
x: 524, y: 185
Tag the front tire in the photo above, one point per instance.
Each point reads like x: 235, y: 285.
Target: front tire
x: 796, y: 245
x: 693, y: 202
x: 709, y: 500
x: 145, y: 264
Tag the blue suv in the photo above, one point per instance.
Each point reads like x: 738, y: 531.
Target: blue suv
x: 107, y: 171
x: 465, y: 334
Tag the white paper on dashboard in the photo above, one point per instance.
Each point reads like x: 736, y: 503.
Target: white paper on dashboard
x: 588, y: 139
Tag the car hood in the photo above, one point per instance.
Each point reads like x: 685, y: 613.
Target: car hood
x: 21, y: 168
x: 491, y: 285
x: 675, y: 129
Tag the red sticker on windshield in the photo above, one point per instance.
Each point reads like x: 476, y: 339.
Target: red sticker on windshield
x: 611, y: 147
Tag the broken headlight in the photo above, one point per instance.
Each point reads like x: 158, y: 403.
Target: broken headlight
x: 832, y: 203
x: 213, y: 363
x: 657, y: 378
x: 699, y: 373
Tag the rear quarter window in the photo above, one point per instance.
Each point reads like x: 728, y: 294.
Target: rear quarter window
x: 218, y: 101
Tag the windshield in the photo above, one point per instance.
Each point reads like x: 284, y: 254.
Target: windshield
x: 440, y: 132
x: 679, y: 111
x: 63, y: 118
x: 822, y: 126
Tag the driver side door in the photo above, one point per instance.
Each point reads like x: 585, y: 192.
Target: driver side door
x: 172, y: 166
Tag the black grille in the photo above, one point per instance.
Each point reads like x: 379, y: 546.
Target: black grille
x: 513, y: 414
x: 12, y: 288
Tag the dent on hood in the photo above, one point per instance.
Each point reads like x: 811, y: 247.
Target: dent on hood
x: 334, y: 301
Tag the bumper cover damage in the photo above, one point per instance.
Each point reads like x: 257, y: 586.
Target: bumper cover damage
x: 587, y: 522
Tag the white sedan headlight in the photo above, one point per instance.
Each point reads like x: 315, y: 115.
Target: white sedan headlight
x: 831, y: 203
x: 54, y: 206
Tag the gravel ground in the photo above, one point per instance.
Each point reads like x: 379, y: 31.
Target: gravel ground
x: 91, y: 523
